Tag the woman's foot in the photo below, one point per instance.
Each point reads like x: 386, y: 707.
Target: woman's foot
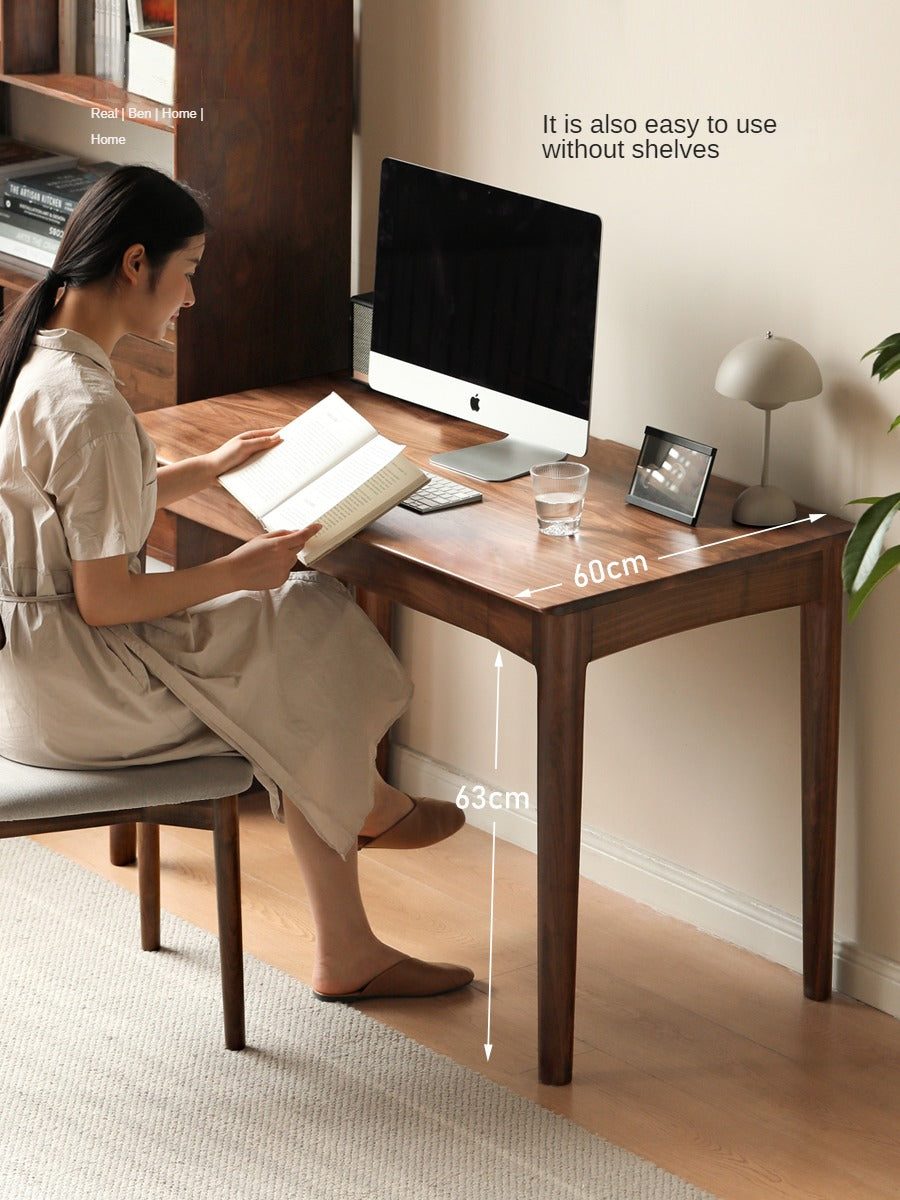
x: 398, y: 822
x: 391, y: 805
x: 427, y: 822
x: 403, y: 977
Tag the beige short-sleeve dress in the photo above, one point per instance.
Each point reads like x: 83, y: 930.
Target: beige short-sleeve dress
x: 296, y: 679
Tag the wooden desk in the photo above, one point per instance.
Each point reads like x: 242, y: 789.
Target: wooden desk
x: 467, y: 566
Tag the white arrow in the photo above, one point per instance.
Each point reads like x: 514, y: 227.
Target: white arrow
x: 498, y: 663
x: 529, y: 592
x: 737, y: 538
x: 488, y: 1046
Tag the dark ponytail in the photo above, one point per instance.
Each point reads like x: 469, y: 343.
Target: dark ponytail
x: 129, y: 206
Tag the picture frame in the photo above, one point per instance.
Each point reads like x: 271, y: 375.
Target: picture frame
x: 150, y: 14
x: 671, y: 475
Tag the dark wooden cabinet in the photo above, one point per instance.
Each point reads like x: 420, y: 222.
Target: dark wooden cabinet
x: 271, y: 158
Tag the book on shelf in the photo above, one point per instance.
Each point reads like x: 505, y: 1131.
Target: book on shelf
x: 118, y: 41
x: 110, y: 33
x: 33, y: 240
x: 102, y: 23
x: 21, y: 158
x: 68, y: 36
x: 14, y: 206
x: 84, y: 37
x: 32, y: 247
x: 52, y: 192
x: 331, y: 467
x: 51, y: 233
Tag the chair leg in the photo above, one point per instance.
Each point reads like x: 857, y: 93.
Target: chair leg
x: 122, y: 843
x: 148, y: 883
x: 226, y: 842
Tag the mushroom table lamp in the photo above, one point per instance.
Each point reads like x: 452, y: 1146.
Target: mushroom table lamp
x: 768, y: 373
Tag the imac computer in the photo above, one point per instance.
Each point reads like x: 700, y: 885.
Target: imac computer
x: 484, y: 308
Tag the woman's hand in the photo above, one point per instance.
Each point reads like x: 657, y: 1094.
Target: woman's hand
x: 266, y: 561
x: 238, y: 449
x: 108, y: 594
x: 175, y: 481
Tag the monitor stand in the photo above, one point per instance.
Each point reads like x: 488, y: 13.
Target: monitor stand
x: 492, y: 462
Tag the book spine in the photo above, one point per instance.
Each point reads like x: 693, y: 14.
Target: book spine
x: 117, y: 42
x: 98, y: 38
x: 101, y: 39
x: 68, y: 36
x: 25, y: 237
x: 46, y: 199
x: 37, y: 212
x: 33, y: 254
x: 10, y: 220
x: 84, y: 59
x: 37, y: 166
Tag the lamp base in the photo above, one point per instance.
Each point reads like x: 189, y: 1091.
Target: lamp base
x: 763, y: 505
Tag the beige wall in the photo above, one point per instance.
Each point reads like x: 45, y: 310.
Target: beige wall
x: 692, y: 743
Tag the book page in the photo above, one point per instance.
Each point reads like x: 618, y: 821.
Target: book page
x: 335, y: 487
x: 400, y: 478
x: 311, y: 445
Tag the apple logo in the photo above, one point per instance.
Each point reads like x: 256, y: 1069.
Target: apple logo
x: 475, y: 403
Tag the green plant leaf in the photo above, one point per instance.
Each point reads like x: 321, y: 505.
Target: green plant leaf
x: 865, y: 563
x: 886, y: 364
x: 883, y: 567
x: 865, y: 544
x: 887, y: 359
x: 890, y: 340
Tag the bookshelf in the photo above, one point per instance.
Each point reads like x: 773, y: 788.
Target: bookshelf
x: 271, y: 156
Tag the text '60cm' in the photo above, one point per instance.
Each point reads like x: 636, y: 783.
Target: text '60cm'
x: 599, y: 572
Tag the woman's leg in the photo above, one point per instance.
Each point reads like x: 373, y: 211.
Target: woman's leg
x: 348, y: 954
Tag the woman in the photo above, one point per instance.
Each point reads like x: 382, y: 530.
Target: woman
x: 105, y: 665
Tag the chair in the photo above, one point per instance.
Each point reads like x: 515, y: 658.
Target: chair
x: 200, y: 793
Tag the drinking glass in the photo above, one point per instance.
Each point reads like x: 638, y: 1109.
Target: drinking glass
x: 559, y: 489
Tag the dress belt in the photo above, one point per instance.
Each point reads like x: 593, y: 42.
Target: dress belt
x: 12, y: 598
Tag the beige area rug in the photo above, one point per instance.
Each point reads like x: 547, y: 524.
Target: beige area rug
x: 115, y: 1082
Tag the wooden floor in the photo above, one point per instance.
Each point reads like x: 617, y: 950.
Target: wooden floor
x: 690, y: 1053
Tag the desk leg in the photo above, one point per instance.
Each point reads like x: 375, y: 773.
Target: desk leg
x: 195, y: 544
x: 562, y: 652
x: 820, y: 665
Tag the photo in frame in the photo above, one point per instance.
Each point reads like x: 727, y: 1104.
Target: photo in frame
x: 671, y: 475
x: 150, y: 14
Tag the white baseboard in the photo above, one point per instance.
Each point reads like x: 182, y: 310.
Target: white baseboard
x: 665, y: 886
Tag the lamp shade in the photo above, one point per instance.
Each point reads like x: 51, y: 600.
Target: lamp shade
x: 769, y: 372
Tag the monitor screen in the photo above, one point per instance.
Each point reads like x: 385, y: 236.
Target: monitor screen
x: 485, y: 305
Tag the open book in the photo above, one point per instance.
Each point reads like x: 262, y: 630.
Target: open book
x: 332, y: 467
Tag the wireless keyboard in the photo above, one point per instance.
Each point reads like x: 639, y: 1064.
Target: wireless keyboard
x: 439, y: 493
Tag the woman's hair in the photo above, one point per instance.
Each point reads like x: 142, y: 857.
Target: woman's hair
x: 129, y: 206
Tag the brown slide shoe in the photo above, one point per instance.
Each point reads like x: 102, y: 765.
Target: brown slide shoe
x: 427, y: 822
x: 407, y: 978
